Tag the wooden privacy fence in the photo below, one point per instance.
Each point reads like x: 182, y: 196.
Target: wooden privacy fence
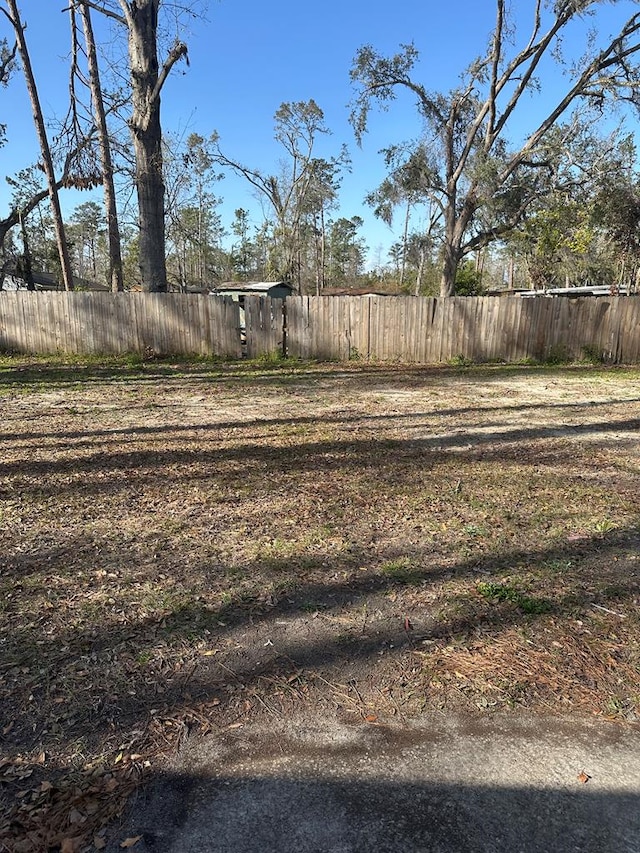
x: 84, y: 323
x: 431, y: 330
x: 393, y: 328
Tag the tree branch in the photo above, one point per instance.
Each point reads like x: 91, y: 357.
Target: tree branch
x: 104, y: 11
x: 495, y: 65
x: 21, y: 211
x: 176, y: 53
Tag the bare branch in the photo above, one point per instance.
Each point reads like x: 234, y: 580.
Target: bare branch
x: 109, y: 13
x: 497, y: 53
x: 177, y: 52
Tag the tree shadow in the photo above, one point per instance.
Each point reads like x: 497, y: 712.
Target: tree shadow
x: 82, y: 437
x: 87, y: 683
x: 134, y: 369
x: 440, y: 784
x: 379, y: 816
x: 115, y: 671
x: 92, y: 472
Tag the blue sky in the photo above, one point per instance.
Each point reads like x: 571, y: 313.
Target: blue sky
x: 246, y: 58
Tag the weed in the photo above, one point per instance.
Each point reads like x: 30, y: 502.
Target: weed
x: 527, y: 361
x: 273, y: 358
x: 616, y: 706
x: 506, y: 592
x: 604, y: 526
x: 558, y: 565
x: 557, y: 355
x: 474, y: 530
x: 284, y: 586
x: 313, y: 606
x: 460, y: 361
x: 402, y: 570
x: 592, y: 355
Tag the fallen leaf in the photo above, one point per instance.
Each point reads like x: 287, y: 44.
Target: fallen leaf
x: 583, y: 777
x: 130, y: 842
x: 91, y: 806
x: 99, y: 843
x: 68, y: 845
x: 371, y: 718
x: 46, y: 786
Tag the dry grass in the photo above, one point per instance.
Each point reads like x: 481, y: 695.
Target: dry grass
x: 183, y: 546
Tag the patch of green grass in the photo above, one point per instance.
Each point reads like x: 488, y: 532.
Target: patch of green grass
x: 273, y: 357
x: 474, y: 530
x: 312, y: 606
x: 557, y: 565
x: 500, y: 592
x: 557, y: 355
x: 460, y: 361
x: 402, y: 569
x: 604, y: 526
x: 593, y: 355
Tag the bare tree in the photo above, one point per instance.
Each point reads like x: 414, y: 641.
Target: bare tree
x: 409, y: 183
x: 13, y: 15
x: 297, y: 127
x: 113, y: 230
x: 467, y: 127
x: 147, y: 79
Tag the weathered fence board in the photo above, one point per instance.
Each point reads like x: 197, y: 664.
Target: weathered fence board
x: 112, y: 323
x: 428, y: 330
x: 264, y: 326
x: 403, y: 329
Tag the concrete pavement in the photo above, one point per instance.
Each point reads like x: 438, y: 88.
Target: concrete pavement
x: 442, y: 784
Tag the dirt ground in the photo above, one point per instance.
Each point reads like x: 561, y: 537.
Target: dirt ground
x: 185, y: 547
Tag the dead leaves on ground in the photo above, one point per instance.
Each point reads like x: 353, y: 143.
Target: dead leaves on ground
x: 176, y: 534
x: 68, y: 809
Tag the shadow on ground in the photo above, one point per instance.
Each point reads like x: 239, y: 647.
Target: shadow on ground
x: 463, y: 786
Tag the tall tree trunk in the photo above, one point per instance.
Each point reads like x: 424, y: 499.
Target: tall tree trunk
x: 450, y: 261
x: 116, y: 279
x: 25, y: 267
x: 454, y: 230
x: 317, y: 253
x: 141, y: 20
x: 405, y: 237
x: 61, y: 241
x: 323, y: 250
x: 419, y: 273
x: 147, y: 143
